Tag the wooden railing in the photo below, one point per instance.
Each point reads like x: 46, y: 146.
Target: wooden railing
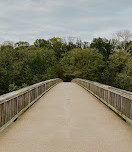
x: 13, y: 104
x: 118, y: 100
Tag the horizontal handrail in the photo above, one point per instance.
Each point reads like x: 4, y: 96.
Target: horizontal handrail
x: 117, y: 99
x: 13, y: 104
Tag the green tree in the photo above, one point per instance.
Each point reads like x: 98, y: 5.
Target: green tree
x: 22, y: 44
x: 42, y: 43
x: 83, y: 63
x: 123, y: 80
x: 115, y: 66
x: 104, y: 46
x: 57, y: 46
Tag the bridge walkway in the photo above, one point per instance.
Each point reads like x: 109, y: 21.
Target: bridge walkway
x: 67, y: 119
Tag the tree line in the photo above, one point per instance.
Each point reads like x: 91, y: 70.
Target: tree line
x: 108, y: 61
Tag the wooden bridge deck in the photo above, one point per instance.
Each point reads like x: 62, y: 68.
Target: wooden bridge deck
x: 67, y: 119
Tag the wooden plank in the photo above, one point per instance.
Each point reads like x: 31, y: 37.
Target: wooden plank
x: 120, y: 103
x: 18, y: 100
x: 0, y: 115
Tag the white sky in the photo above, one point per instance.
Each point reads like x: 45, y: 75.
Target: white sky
x: 28, y: 20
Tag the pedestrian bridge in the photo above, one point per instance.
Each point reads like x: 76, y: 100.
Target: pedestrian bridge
x: 68, y: 118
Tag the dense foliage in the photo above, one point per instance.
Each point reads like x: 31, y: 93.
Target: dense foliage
x: 104, y: 61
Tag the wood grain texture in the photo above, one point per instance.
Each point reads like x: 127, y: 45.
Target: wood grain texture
x: 68, y: 119
x: 12, y: 104
x: 118, y: 100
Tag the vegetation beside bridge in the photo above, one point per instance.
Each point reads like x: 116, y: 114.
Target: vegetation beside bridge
x: 105, y: 61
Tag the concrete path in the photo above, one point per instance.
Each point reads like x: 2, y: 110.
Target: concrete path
x: 67, y: 119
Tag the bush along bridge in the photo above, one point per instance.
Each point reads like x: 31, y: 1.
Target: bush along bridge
x: 67, y: 117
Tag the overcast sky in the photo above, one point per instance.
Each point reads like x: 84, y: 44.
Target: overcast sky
x: 27, y: 20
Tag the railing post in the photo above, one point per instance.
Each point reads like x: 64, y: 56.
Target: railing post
x: 110, y: 96
x: 131, y: 111
x: 15, y: 103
